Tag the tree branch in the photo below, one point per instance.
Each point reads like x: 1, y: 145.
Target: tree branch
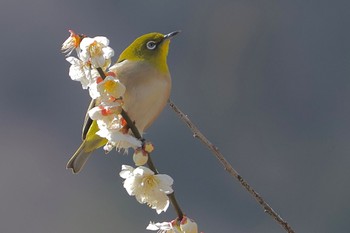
x: 227, y: 166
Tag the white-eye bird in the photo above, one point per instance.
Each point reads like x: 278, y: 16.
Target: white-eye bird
x: 142, y: 68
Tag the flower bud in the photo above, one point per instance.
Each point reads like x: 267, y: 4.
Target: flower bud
x: 140, y: 157
x: 188, y: 225
x: 148, y: 147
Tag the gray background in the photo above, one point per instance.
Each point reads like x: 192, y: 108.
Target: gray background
x: 267, y: 81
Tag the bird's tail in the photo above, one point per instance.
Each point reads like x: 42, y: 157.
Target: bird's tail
x: 76, y: 163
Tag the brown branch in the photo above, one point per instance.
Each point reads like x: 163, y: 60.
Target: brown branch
x: 131, y: 125
x: 227, y: 166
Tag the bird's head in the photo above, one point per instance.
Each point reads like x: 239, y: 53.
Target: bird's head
x: 152, y: 47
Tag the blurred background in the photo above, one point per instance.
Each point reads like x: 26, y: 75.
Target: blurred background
x: 266, y: 81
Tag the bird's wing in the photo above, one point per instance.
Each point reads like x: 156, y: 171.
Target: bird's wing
x: 87, y: 121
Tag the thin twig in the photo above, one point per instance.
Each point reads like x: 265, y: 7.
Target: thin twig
x: 131, y: 125
x: 227, y: 166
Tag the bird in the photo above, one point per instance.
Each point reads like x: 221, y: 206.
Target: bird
x: 142, y: 68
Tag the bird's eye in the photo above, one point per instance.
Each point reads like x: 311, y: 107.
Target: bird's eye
x: 151, y: 45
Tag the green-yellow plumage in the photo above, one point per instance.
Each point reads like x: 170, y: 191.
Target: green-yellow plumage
x: 142, y: 68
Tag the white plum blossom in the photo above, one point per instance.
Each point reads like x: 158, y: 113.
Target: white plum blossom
x: 78, y: 71
x: 111, y: 88
x: 108, y: 89
x: 96, y: 51
x: 71, y: 43
x: 147, y: 187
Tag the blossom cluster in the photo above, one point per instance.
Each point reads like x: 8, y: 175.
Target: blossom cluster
x: 94, y: 56
x: 90, y: 68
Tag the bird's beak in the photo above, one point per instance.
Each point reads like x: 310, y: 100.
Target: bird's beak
x: 171, y: 35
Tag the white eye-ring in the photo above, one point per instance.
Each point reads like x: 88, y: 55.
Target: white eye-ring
x: 151, y: 45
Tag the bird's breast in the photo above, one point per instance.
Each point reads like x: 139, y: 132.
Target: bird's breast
x: 147, y: 91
